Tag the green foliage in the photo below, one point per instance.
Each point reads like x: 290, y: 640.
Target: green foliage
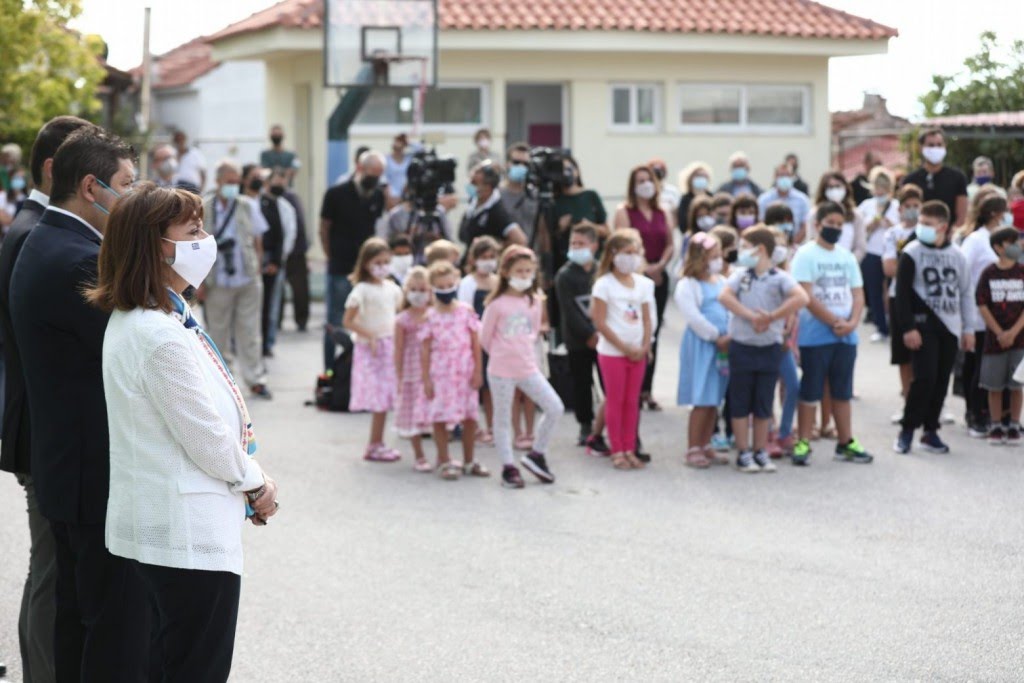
x: 989, y: 83
x: 47, y: 69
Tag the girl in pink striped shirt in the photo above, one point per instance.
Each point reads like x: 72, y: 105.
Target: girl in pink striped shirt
x: 511, y: 323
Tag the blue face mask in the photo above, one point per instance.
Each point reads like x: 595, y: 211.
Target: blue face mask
x: 700, y: 183
x: 471, y: 191
x: 784, y: 183
x: 1007, y: 217
x: 739, y: 174
x: 748, y: 258
x: 111, y: 191
x: 580, y: 257
x: 926, y: 234
x: 517, y: 173
x: 18, y: 183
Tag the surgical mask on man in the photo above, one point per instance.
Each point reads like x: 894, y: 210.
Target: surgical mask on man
x: 926, y: 234
x: 739, y: 174
x: 517, y: 173
x: 111, y: 191
x: 230, y: 192
x: 18, y: 184
x: 193, y: 259
x: 784, y: 183
x: 934, y: 155
x: 168, y: 166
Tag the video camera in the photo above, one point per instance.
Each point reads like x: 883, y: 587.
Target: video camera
x: 226, y: 246
x: 428, y: 174
x: 547, y: 168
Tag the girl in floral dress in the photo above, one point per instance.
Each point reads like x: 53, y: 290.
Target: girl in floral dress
x: 408, y: 368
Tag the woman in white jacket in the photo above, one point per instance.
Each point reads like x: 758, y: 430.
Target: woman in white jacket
x: 182, y: 474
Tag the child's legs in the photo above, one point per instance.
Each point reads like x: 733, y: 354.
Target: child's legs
x: 741, y: 393
x: 840, y: 389
x: 613, y: 369
x: 1016, y: 402
x: 599, y: 421
x: 468, y: 440
x: 995, y: 402
x: 812, y: 386
x: 766, y: 377
x: 441, y: 439
x: 704, y: 418
x: 791, y: 392
x: 826, y: 406
x: 947, y: 350
x: 488, y: 404
x: 417, y: 447
x: 377, y: 423
x: 503, y: 393
x: 540, y: 392
x: 635, y: 372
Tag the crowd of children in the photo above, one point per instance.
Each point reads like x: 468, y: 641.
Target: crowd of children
x: 771, y: 305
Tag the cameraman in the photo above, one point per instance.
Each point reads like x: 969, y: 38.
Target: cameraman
x: 423, y: 229
x: 485, y: 214
x: 514, y: 195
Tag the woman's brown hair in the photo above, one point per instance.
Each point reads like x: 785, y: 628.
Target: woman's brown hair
x: 132, y: 272
x: 849, y: 208
x: 371, y: 249
x: 631, y: 198
x: 619, y: 240
x: 742, y: 201
x: 509, y: 258
x: 699, y: 203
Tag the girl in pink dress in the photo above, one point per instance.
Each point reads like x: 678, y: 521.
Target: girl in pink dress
x: 452, y: 371
x: 408, y: 369
x: 370, y: 313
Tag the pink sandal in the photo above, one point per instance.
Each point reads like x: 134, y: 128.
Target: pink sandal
x: 523, y: 443
x: 378, y: 452
x: 423, y: 465
x: 714, y: 457
x: 484, y: 437
x: 695, y: 457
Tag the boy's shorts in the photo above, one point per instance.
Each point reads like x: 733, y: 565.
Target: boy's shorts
x: 997, y: 370
x: 753, y: 374
x: 833, y: 362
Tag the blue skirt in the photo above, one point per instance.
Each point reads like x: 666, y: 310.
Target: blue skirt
x: 700, y: 383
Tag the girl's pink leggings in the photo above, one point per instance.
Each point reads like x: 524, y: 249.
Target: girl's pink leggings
x: 623, y: 379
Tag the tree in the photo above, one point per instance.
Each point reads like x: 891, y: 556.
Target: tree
x: 46, y: 69
x: 989, y: 83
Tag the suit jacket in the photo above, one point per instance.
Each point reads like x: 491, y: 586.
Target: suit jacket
x: 60, y: 337
x: 14, y: 438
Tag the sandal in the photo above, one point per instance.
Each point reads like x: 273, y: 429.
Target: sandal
x: 423, y: 465
x: 378, y: 452
x: 449, y: 471
x: 635, y: 462
x: 485, y: 437
x: 621, y: 462
x: 714, y: 457
x: 475, y: 469
x: 695, y: 457
x: 523, y: 443
x: 651, y: 404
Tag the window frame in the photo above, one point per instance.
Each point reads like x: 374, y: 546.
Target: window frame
x: 634, y: 98
x: 744, y: 126
x: 484, y: 88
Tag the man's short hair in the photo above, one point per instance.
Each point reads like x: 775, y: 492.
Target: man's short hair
x: 372, y: 155
x: 587, y: 231
x: 53, y: 133
x: 226, y: 165
x: 927, y: 133
x: 1003, y: 236
x: 936, y: 209
x: 88, y: 151
x: 489, y: 172
x: 983, y: 161
x: 777, y: 212
x: 739, y: 156
x: 517, y: 147
x: 908, y: 192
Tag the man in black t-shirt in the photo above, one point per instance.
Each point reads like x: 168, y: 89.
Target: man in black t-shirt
x: 936, y: 181
x: 348, y: 218
x: 486, y: 215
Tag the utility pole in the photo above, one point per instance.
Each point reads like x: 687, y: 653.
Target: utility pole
x: 144, y: 105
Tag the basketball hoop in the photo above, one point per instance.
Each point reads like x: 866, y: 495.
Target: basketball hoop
x: 381, y: 64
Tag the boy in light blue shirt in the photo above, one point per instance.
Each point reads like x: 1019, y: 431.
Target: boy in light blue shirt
x: 828, y: 333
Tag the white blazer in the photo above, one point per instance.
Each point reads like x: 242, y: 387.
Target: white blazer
x: 177, y: 468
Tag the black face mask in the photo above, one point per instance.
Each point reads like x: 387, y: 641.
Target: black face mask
x: 256, y: 184
x: 831, y: 235
x: 569, y: 178
x: 446, y: 297
x: 730, y: 257
x: 276, y: 139
x: 369, y: 182
x: 277, y: 190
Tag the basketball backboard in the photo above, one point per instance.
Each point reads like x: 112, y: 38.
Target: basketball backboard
x: 380, y: 43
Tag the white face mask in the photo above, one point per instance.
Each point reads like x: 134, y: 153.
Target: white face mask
x: 934, y: 155
x: 418, y: 299
x: 836, y: 194
x: 484, y: 144
x: 487, y: 266
x: 380, y: 270
x: 645, y: 190
x: 779, y: 254
x: 715, y: 266
x: 193, y: 259
x: 627, y: 263
x: 400, y: 265
x: 705, y: 223
x: 520, y: 284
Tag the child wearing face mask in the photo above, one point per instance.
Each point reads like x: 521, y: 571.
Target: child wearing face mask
x: 511, y: 325
x: 370, y: 313
x: 481, y: 264
x: 781, y: 437
x: 761, y: 297
x: 896, y: 238
x: 452, y: 367
x: 703, y: 356
x: 401, y: 257
x: 743, y: 213
x: 408, y: 369
x: 623, y: 310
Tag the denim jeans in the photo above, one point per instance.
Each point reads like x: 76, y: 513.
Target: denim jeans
x: 338, y: 289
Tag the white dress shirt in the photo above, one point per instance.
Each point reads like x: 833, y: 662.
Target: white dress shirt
x: 177, y: 467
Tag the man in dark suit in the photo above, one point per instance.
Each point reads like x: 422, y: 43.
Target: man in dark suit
x: 102, y: 629
x: 297, y: 267
x: 38, y: 601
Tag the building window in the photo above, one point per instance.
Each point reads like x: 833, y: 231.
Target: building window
x: 634, y: 107
x: 744, y: 108
x: 445, y: 106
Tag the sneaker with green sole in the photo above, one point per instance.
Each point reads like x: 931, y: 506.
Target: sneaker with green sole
x: 852, y: 451
x: 801, y: 453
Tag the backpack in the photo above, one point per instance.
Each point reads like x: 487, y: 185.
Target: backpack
x: 332, y: 390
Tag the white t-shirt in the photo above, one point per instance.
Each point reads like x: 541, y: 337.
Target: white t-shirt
x: 980, y: 255
x: 868, y: 209
x: 625, y: 310
x: 378, y: 306
x: 189, y: 166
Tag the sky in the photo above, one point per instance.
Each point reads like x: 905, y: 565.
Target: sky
x: 935, y: 37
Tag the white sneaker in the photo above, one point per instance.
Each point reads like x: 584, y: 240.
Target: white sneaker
x: 878, y: 338
x: 947, y: 419
x: 896, y: 418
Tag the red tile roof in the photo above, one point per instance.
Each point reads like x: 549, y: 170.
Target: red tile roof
x: 787, y: 18
x: 999, y: 119
x: 887, y: 149
x: 182, y: 65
